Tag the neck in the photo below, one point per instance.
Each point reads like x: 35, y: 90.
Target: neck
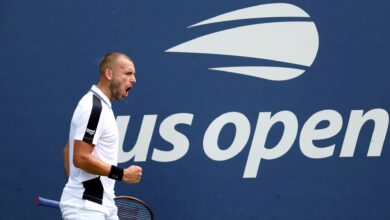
x: 104, y: 88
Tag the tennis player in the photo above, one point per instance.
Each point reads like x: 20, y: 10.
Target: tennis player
x: 91, y: 154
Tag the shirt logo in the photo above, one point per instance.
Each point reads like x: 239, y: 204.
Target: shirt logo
x: 90, y: 132
x: 291, y: 44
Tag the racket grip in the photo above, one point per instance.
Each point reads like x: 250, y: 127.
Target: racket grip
x: 47, y: 202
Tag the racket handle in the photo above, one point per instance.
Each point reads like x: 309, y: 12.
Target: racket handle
x: 47, y: 202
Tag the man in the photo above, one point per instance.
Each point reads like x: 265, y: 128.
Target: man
x: 91, y: 154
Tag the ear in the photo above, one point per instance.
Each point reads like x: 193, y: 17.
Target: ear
x: 108, y: 73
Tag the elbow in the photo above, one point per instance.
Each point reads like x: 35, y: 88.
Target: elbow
x: 79, y: 161
x: 76, y: 162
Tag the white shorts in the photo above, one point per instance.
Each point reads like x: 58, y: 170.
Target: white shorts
x: 73, y: 208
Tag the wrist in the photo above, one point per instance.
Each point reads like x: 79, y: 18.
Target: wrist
x: 116, y: 173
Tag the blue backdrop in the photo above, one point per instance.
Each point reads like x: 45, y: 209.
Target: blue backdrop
x: 50, y: 50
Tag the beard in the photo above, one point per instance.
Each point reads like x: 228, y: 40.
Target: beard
x: 115, y: 88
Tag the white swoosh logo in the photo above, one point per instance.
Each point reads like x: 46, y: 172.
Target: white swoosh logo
x: 293, y: 42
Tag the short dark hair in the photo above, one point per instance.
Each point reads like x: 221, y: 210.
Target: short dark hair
x: 109, y: 58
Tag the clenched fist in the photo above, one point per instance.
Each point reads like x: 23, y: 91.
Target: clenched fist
x: 132, y: 174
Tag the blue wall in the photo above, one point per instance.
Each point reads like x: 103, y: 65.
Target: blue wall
x: 49, y: 52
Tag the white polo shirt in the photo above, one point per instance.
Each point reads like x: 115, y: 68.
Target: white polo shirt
x: 94, y: 122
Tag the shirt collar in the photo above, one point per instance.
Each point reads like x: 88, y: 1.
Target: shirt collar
x: 95, y: 90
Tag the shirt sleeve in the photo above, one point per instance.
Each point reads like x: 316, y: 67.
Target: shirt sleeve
x: 86, y: 121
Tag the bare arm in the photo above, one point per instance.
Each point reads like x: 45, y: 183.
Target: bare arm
x: 66, y: 159
x: 83, y: 159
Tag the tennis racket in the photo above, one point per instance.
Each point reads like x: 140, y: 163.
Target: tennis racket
x: 129, y: 208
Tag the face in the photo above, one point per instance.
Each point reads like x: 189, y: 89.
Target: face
x: 123, y: 78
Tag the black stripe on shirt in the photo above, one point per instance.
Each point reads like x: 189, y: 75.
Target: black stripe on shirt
x: 93, y: 120
x: 101, y: 98
x: 93, y: 190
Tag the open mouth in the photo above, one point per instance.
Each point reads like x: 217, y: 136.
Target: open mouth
x: 127, y: 91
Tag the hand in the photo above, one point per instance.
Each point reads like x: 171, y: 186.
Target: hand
x: 132, y: 174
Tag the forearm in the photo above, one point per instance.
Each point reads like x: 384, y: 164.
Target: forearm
x: 92, y: 165
x: 84, y: 159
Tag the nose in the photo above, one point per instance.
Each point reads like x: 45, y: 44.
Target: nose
x: 132, y: 79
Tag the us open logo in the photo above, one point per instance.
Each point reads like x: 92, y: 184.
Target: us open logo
x: 287, y: 44
x: 292, y: 43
